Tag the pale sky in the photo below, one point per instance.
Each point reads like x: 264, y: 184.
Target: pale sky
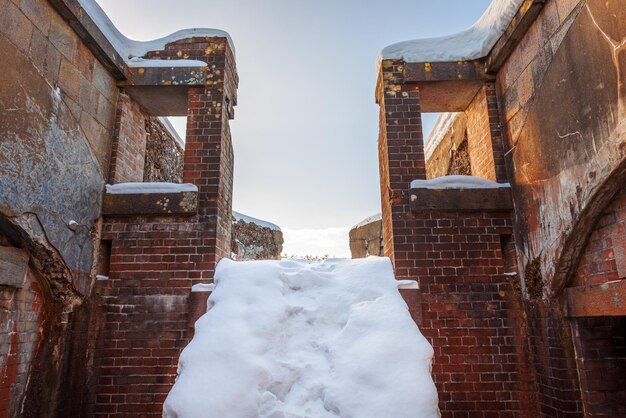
x: 306, y: 124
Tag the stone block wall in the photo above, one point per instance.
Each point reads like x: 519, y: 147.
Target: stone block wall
x: 367, y: 239
x: 251, y: 241
x: 164, y: 155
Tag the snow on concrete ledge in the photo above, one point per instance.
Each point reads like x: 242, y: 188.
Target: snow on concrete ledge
x: 457, y: 182
x: 368, y: 220
x: 297, y: 339
x: 473, y: 43
x: 129, y: 49
x: 249, y: 219
x: 143, y: 188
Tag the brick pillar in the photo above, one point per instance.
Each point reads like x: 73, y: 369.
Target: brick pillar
x: 208, y: 161
x: 495, y: 131
x: 155, y: 260
x: 401, y: 151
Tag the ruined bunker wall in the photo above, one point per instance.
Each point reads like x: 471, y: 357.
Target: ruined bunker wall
x: 57, y: 116
x: 251, y: 241
x: 562, y: 101
x: 164, y: 155
x: 367, y: 240
x: 56, y: 123
x: 562, y: 107
x: 438, y: 162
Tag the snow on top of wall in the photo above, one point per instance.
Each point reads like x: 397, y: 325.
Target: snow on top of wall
x: 129, y: 48
x: 143, y: 62
x: 141, y: 188
x: 472, y: 43
x: 298, y: 339
x: 457, y: 182
x: 368, y: 220
x: 170, y: 129
x: 249, y: 219
x: 442, y: 126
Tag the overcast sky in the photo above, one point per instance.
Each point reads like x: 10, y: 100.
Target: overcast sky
x: 306, y: 124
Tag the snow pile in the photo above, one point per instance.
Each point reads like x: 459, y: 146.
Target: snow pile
x: 457, y: 182
x: 142, y: 188
x: 249, y: 219
x: 368, y: 220
x: 473, y: 43
x: 132, y: 51
x: 441, y: 128
x: 287, y: 339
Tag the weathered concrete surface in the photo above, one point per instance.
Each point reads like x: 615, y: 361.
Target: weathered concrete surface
x: 255, y: 242
x: 47, y: 168
x: 367, y: 239
x: 560, y: 160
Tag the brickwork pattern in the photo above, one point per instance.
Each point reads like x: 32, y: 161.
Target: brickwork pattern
x: 400, y: 147
x: 155, y: 261
x: 467, y: 305
x: 129, y: 142
x: 601, y: 357
x: 20, y: 315
x: 604, y: 259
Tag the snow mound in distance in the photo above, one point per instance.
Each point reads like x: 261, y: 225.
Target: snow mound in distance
x: 286, y: 339
x: 472, y: 43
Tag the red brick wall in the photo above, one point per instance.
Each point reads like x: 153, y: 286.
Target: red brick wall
x: 129, y: 142
x: 155, y: 261
x: 20, y: 317
x: 401, y: 151
x: 601, y: 357
x: 468, y: 306
x: 604, y: 258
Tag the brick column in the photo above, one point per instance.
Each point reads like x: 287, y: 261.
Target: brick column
x: 155, y: 260
x: 401, y: 151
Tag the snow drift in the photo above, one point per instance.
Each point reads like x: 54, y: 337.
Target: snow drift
x: 286, y: 339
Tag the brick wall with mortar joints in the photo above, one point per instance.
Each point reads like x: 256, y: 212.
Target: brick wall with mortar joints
x: 155, y: 261
x: 129, y: 142
x: 467, y: 308
x: 20, y: 317
x: 601, y: 356
x: 89, y: 93
x: 604, y: 259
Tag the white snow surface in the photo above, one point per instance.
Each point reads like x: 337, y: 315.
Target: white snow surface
x: 129, y: 48
x: 141, y: 188
x: 457, y: 182
x: 292, y: 339
x: 249, y: 219
x: 442, y: 126
x: 368, y: 220
x: 144, y: 62
x: 472, y: 43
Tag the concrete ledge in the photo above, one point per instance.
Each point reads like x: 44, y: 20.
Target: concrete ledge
x: 445, y: 71
x: 607, y: 299
x: 495, y: 199
x: 150, y: 204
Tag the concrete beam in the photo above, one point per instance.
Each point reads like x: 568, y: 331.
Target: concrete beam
x: 150, y: 204
x: 447, y: 96
x: 607, y: 299
x: 445, y: 71
x: 498, y: 199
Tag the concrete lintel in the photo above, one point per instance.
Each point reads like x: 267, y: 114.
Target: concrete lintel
x: 497, y: 199
x: 521, y: 22
x: 165, y: 76
x: 150, y: 204
x: 92, y: 36
x: 607, y: 299
x: 448, y: 96
x: 473, y: 70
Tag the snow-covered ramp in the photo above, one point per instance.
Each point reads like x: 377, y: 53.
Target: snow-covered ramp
x: 287, y: 339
